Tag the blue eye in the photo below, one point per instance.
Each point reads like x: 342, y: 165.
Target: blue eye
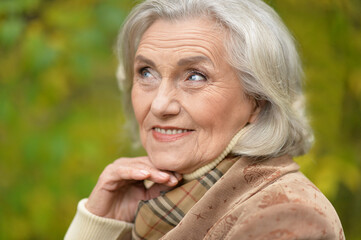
x: 197, y: 77
x: 145, y: 73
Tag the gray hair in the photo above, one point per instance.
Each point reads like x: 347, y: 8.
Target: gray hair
x: 260, y: 49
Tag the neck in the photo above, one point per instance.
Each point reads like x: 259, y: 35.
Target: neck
x: 204, y: 169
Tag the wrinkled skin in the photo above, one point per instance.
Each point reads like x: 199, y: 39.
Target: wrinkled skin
x: 188, y: 103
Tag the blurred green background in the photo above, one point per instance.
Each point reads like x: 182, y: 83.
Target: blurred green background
x: 61, y: 119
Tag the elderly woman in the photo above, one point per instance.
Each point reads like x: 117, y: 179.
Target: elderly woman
x: 216, y: 91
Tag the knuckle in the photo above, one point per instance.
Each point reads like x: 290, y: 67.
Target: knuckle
x: 119, y: 161
x: 122, y: 161
x: 109, y: 168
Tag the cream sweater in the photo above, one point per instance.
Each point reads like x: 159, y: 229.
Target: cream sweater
x: 86, y: 225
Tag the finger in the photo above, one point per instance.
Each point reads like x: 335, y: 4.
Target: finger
x: 156, y: 175
x: 128, y: 173
x: 174, y: 178
x: 159, y: 176
x: 166, y: 178
x: 152, y: 174
x: 140, y: 168
x: 172, y: 181
x: 115, y: 177
x: 178, y: 176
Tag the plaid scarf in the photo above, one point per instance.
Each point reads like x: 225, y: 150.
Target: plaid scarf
x: 156, y: 217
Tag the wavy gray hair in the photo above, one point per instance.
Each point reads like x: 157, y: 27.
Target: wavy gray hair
x: 260, y: 49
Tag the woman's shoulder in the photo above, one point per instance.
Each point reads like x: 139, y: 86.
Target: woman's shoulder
x: 292, y: 188
x: 278, y: 181
x: 292, y: 207
x: 277, y: 202
x: 297, y: 190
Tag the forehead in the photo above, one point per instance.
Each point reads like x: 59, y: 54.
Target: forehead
x: 201, y: 35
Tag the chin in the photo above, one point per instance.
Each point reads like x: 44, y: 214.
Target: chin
x: 169, y: 162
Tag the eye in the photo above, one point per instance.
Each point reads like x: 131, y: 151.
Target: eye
x: 146, y: 76
x: 145, y: 73
x: 196, y: 77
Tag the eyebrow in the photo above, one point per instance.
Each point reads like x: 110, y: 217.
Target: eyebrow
x: 195, y: 59
x: 181, y: 62
x: 147, y: 61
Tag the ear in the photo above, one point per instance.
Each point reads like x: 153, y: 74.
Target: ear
x: 257, y: 107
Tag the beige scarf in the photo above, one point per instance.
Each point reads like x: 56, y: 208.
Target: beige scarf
x: 156, y: 217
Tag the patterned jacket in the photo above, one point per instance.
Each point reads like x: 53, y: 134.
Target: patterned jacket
x: 267, y: 199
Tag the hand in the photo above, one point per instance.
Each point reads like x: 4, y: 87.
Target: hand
x: 120, y: 187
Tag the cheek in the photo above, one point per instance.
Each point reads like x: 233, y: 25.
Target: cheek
x: 139, y: 105
x: 205, y: 113
x: 220, y: 110
x: 209, y: 106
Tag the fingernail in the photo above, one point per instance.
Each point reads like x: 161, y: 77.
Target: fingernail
x: 163, y: 175
x: 144, y: 172
x: 173, y: 179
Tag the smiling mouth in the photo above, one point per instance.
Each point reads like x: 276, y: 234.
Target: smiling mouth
x: 169, y: 134
x: 171, y: 131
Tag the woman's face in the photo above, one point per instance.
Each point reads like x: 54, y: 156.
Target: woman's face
x: 187, y: 99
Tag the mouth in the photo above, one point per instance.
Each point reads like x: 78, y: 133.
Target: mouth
x: 169, y: 134
x: 171, y: 131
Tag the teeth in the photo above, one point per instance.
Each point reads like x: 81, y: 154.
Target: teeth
x: 170, y: 131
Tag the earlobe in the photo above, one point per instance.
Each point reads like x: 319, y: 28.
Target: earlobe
x: 257, y: 107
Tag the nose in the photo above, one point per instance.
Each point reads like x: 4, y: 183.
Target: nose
x: 165, y: 103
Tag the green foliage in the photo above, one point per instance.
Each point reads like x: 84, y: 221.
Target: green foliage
x: 61, y: 120
x: 329, y: 37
